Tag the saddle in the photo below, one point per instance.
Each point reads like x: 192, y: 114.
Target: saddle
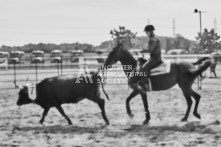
x: 162, y: 68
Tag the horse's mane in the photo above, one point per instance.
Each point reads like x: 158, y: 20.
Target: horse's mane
x: 200, y: 61
x: 128, y: 57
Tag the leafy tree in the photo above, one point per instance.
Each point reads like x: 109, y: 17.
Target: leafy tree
x: 123, y: 36
x: 181, y: 42
x: 168, y: 44
x: 105, y: 45
x: 208, y: 40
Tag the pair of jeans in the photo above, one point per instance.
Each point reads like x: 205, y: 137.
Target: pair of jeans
x: 150, y: 64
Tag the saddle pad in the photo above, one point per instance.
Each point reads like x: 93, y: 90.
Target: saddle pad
x: 161, y: 69
x: 32, y: 92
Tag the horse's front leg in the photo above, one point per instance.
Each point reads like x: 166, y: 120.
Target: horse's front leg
x: 145, y: 102
x: 132, y: 95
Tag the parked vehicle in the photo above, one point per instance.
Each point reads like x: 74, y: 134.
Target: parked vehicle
x: 4, y: 58
x: 37, y: 56
x: 56, y: 56
x: 77, y: 56
x: 177, y: 51
x: 4, y: 54
x: 15, y: 57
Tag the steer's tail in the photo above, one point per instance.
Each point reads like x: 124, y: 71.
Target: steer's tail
x: 102, y: 85
x: 101, y: 69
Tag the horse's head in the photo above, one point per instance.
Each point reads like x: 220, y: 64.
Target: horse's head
x: 113, y: 56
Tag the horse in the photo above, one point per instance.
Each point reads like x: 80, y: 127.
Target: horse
x: 181, y: 73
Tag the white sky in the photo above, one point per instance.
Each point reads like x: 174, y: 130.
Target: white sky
x: 90, y: 21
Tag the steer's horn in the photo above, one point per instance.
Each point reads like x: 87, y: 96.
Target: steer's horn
x: 17, y: 86
x: 28, y: 84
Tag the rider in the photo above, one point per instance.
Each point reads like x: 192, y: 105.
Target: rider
x: 155, y: 59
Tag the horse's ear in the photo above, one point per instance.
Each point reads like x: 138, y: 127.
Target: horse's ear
x: 121, y: 45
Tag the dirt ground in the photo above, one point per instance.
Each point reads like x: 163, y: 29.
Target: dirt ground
x: 19, y: 126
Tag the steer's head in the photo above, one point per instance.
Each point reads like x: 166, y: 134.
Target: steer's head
x: 23, y: 96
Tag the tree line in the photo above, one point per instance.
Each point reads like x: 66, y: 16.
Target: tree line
x: 206, y: 42
x: 65, y: 47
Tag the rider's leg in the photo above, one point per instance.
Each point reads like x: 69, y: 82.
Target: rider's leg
x: 135, y: 75
x: 143, y: 83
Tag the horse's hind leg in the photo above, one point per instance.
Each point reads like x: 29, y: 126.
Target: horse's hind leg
x: 197, y: 97
x: 189, y: 104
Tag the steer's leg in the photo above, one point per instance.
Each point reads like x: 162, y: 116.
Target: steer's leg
x: 44, y: 114
x: 101, y: 104
x: 60, y: 109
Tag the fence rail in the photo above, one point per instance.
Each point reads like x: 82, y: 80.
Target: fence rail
x: 48, y: 69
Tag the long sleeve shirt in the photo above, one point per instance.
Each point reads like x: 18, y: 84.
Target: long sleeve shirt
x: 154, y: 48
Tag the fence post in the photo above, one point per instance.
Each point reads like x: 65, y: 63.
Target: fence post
x: 36, y: 71
x: 14, y: 62
x: 61, y: 65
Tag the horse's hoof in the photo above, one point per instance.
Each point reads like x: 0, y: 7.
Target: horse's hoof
x: 41, y: 122
x: 145, y: 122
x: 184, y: 119
x: 107, y: 123
x: 131, y: 116
x: 197, y: 115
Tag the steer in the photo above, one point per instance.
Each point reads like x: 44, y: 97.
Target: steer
x: 55, y: 91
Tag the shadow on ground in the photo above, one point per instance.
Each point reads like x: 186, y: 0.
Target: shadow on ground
x: 121, y: 131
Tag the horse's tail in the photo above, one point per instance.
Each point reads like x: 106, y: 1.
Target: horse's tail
x: 201, y: 68
x: 200, y: 61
